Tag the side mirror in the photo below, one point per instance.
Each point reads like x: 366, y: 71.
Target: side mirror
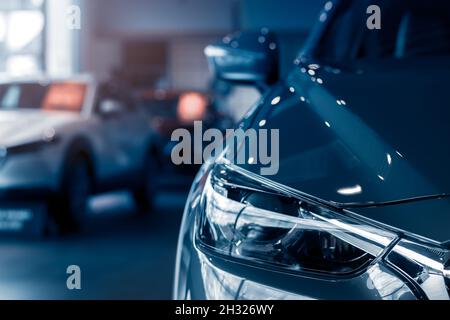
x: 248, y: 57
x: 111, y: 108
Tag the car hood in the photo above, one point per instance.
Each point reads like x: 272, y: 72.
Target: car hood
x: 18, y: 127
x: 374, y: 134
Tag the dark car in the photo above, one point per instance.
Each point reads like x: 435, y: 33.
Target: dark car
x: 360, y: 205
x: 169, y: 110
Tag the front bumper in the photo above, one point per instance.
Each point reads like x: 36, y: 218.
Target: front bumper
x: 23, y: 211
x: 27, y: 182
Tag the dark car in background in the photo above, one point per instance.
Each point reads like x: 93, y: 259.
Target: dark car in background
x: 169, y: 110
x: 360, y: 206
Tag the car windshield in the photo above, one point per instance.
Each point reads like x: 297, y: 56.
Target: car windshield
x: 56, y: 96
x: 408, y: 28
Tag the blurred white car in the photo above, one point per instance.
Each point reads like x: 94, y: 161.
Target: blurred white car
x: 63, y: 140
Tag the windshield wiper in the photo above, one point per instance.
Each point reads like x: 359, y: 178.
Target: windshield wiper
x: 372, y: 204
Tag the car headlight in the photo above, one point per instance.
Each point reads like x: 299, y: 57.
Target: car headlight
x: 426, y: 264
x: 248, y: 220
x: 256, y: 221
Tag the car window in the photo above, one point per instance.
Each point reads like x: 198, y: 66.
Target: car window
x: 409, y: 28
x: 237, y: 100
x: 56, y: 96
x: 65, y: 96
x: 346, y: 23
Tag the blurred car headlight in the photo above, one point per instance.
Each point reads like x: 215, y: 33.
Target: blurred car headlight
x: 49, y: 138
x: 242, y: 216
x: 28, y: 147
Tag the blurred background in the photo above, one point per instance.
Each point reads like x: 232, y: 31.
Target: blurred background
x: 156, y: 48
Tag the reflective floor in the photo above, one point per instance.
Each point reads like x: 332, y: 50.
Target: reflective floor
x: 122, y: 255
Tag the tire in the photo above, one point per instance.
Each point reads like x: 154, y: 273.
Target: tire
x: 71, y: 208
x: 144, y: 194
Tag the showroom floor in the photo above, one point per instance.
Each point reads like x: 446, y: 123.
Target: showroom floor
x: 122, y: 255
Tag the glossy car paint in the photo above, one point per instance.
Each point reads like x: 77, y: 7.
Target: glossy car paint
x: 345, y: 140
x: 363, y: 151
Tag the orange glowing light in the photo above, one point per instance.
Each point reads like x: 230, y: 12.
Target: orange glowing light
x: 67, y: 96
x: 192, y: 107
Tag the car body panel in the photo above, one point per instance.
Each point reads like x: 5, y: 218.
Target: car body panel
x: 366, y: 142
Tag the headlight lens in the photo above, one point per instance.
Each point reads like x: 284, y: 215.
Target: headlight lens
x: 250, y: 222
x: 427, y: 264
